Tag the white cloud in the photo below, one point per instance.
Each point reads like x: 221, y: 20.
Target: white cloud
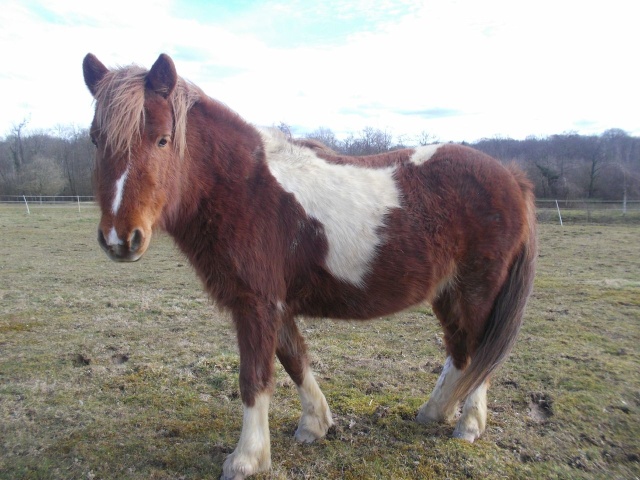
x: 494, y: 68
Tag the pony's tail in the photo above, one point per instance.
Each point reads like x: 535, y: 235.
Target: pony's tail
x: 505, y: 319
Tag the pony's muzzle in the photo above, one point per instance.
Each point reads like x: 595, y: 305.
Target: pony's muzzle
x: 129, y: 250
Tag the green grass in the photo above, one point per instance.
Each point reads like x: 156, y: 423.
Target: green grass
x: 111, y: 371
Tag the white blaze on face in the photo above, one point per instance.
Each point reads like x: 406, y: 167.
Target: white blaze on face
x: 117, y: 199
x: 350, y: 202
x: 424, y: 154
x: 113, y: 239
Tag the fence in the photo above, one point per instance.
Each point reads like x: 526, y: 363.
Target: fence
x: 548, y: 210
x: 29, y: 201
x: 45, y: 199
x: 587, y: 211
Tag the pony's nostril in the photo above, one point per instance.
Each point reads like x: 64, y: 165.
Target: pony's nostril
x: 135, y: 243
x: 101, y: 240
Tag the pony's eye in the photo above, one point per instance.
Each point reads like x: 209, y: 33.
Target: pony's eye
x: 95, y: 143
x: 163, y: 142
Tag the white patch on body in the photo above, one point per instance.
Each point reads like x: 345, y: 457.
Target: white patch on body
x: 473, y: 420
x: 423, y: 154
x: 113, y: 239
x: 117, y: 199
x: 433, y: 410
x: 253, y: 452
x: 351, y: 202
x: 316, y: 417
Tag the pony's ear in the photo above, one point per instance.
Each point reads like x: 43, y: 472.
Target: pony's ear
x: 94, y: 71
x: 162, y: 77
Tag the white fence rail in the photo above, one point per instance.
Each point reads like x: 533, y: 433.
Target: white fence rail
x: 45, y: 199
x: 587, y: 211
x: 548, y: 210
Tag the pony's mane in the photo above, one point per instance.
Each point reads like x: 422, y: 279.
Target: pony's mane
x: 278, y: 141
x: 314, y: 144
x: 120, y: 108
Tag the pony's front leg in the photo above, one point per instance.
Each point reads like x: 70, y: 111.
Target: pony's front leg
x: 256, y: 328
x: 253, y: 452
x: 316, y: 417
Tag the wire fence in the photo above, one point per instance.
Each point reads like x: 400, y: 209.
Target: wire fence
x: 588, y: 211
x: 46, y: 199
x: 561, y: 212
x: 28, y: 202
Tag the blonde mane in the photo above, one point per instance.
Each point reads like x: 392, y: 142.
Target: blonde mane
x: 120, y: 108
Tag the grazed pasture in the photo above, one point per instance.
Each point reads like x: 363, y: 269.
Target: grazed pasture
x: 111, y: 371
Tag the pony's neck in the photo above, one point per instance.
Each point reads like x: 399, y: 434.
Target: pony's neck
x: 222, y: 151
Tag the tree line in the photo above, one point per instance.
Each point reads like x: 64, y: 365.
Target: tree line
x: 564, y: 166
x: 58, y: 162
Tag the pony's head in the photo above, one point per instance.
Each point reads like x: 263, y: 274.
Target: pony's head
x: 139, y: 133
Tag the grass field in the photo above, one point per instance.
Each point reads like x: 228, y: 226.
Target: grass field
x: 113, y: 371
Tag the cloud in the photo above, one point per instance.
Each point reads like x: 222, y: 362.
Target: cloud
x: 413, y: 65
x: 432, y: 113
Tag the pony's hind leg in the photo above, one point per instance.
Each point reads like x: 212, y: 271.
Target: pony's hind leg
x: 458, y: 310
x: 473, y: 420
x: 439, y: 407
x: 435, y: 410
x: 292, y: 353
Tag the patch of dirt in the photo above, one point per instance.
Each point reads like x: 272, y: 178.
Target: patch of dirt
x: 120, y: 358
x: 80, y: 360
x: 540, y: 407
x: 510, y: 383
x: 375, y: 387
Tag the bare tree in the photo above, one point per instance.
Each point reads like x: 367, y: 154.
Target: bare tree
x: 42, y: 176
x: 426, y: 138
x: 326, y: 136
x: 16, y: 143
x: 370, y: 142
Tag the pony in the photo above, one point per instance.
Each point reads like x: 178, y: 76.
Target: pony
x: 277, y: 228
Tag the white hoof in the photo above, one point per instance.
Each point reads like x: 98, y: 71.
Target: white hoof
x: 239, y: 466
x: 431, y: 412
x: 312, y: 427
x: 316, y: 416
x: 428, y: 415
x: 468, y: 435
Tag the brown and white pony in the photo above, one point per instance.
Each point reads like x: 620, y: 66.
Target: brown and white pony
x: 277, y: 228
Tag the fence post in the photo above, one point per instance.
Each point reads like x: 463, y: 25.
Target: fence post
x: 78, y: 203
x: 25, y: 202
x: 559, y: 215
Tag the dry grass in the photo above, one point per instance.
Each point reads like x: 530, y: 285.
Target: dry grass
x: 127, y: 371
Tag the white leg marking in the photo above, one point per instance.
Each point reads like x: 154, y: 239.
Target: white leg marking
x: 433, y: 410
x: 117, y: 199
x: 316, y: 416
x: 473, y: 420
x: 113, y: 238
x: 423, y: 154
x: 350, y: 202
x: 253, y: 452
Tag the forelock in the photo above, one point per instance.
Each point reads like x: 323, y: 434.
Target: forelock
x: 120, y: 113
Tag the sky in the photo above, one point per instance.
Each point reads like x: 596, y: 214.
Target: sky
x: 459, y: 70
